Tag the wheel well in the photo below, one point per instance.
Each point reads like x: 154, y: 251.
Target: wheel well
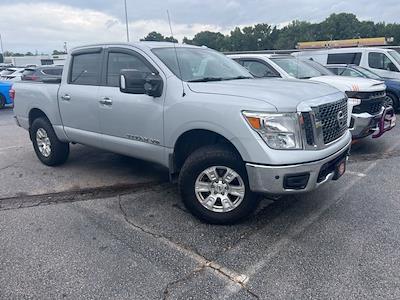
x: 34, y: 114
x: 192, y: 140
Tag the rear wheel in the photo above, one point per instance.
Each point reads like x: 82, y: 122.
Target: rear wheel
x: 214, y: 186
x: 2, y: 101
x: 49, y: 149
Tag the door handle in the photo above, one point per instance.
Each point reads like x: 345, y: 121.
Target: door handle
x: 106, y: 101
x: 66, y: 97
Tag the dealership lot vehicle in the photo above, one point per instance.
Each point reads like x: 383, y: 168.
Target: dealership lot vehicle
x: 202, y: 116
x: 366, y: 111
x: 392, y: 85
x: 12, y: 74
x: 39, y: 73
x: 384, y: 62
x: 5, y: 98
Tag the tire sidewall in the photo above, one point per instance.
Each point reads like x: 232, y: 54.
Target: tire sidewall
x: 395, y: 101
x: 189, y: 176
x: 57, y: 155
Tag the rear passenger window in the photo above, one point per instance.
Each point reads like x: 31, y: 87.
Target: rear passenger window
x: 85, y: 69
x: 344, y: 58
x: 118, y: 61
x: 381, y: 61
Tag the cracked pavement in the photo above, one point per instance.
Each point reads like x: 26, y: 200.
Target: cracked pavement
x: 109, y: 227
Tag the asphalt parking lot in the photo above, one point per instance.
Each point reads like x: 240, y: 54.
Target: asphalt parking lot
x: 106, y: 226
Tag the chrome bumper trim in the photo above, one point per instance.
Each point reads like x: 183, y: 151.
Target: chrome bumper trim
x: 269, y: 179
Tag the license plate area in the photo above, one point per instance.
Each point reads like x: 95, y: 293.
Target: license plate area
x: 334, y: 166
x: 340, y: 169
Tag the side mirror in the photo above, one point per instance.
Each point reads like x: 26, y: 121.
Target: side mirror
x: 139, y: 82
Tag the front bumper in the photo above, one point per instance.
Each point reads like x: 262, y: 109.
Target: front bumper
x: 364, y: 124
x: 271, y: 179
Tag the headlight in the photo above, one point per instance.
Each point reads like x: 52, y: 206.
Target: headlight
x: 354, y: 101
x: 278, y: 130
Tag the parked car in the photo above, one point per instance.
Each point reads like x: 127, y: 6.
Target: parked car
x: 384, y: 62
x: 13, y: 74
x: 392, y: 85
x: 366, y: 111
x: 38, y: 73
x: 5, y: 98
x: 227, y: 135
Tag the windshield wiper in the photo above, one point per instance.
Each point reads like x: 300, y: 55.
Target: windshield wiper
x: 305, y: 77
x: 206, y: 79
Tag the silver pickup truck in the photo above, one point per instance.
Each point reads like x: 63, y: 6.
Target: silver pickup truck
x: 198, y: 113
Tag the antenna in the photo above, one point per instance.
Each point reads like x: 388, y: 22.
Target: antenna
x: 176, y: 55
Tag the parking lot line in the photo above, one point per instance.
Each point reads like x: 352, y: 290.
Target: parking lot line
x: 285, y: 240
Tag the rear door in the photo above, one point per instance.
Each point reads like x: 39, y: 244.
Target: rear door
x: 132, y: 124
x: 78, y: 98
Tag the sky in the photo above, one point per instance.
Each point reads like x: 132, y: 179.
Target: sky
x: 42, y: 26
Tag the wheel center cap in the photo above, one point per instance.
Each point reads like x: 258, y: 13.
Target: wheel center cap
x: 219, y: 188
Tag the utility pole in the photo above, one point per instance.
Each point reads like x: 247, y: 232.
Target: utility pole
x: 126, y: 22
x: 1, y: 45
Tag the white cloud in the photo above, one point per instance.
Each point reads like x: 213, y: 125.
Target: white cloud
x: 45, y: 27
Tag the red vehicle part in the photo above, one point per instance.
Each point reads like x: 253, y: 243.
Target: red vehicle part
x: 386, y: 123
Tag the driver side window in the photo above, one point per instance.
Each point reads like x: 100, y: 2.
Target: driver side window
x: 118, y: 61
x: 259, y: 69
x: 381, y: 61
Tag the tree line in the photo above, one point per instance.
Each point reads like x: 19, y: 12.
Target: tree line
x: 264, y: 36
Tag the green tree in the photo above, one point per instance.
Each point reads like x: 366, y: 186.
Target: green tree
x: 213, y: 40
x: 153, y: 36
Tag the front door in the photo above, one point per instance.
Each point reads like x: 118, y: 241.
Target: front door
x: 78, y: 98
x: 132, y: 124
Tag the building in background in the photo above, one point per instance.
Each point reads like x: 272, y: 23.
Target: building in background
x: 36, y: 60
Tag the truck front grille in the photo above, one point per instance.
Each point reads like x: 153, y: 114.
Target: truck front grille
x: 371, y: 102
x: 333, y: 119
x: 308, y: 128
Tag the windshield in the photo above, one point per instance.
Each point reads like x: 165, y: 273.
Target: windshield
x: 320, y: 68
x: 296, y: 67
x: 395, y: 55
x: 198, y: 64
x: 368, y: 73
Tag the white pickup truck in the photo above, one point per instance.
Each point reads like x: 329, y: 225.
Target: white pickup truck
x: 367, y: 114
x: 196, y: 112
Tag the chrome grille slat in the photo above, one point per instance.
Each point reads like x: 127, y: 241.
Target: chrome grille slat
x: 327, y: 117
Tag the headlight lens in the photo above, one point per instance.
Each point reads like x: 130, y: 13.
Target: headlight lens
x: 278, y: 130
x: 354, y: 101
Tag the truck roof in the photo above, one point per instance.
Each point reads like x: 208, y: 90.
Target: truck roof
x: 141, y: 44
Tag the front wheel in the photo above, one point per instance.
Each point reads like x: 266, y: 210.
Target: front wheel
x: 49, y: 149
x: 214, y: 186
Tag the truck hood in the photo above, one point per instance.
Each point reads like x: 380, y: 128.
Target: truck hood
x: 284, y: 94
x: 344, y: 83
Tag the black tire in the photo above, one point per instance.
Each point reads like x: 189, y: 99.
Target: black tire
x: 2, y: 101
x: 59, y: 150
x: 195, y: 164
x: 395, y: 100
